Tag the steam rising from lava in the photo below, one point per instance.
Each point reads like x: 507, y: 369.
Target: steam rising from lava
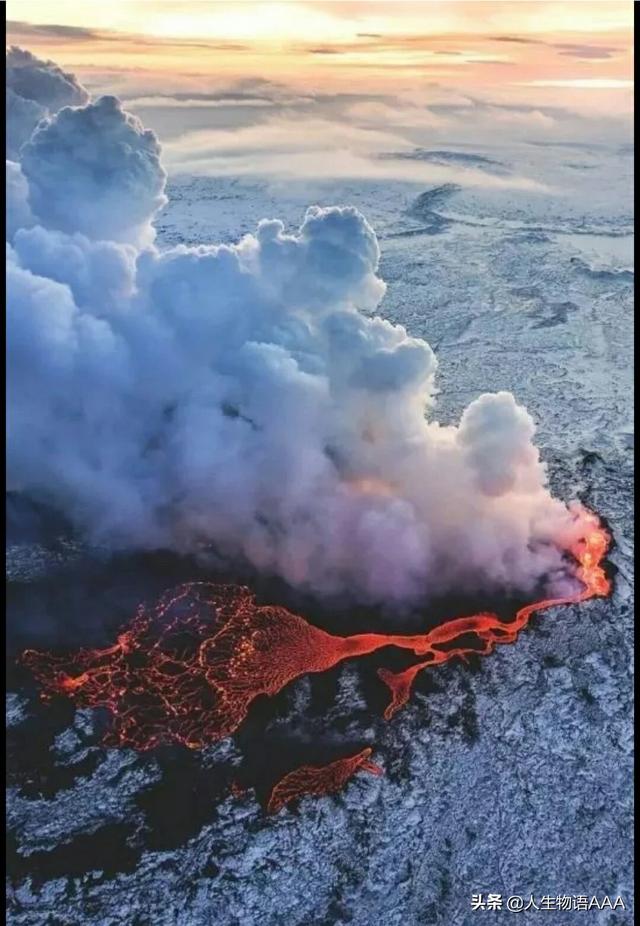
x: 189, y: 670
x: 246, y: 397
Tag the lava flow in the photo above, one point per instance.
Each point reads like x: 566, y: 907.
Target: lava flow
x: 323, y: 779
x: 188, y: 670
x: 487, y: 630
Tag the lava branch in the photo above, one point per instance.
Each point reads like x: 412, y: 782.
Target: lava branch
x: 319, y: 780
x: 188, y: 670
x: 489, y: 630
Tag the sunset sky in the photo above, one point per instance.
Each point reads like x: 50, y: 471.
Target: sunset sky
x: 272, y: 86
x: 582, y: 45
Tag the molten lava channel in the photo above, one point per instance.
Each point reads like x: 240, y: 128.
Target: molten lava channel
x: 187, y: 670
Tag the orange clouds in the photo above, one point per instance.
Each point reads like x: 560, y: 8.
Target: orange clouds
x: 360, y: 46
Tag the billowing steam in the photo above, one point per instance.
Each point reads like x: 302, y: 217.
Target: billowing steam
x: 243, y: 397
x: 35, y: 89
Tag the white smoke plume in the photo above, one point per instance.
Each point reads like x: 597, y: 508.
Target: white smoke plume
x: 101, y: 155
x: 35, y: 89
x: 245, y: 397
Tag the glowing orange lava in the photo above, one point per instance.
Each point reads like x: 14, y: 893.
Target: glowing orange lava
x: 488, y: 629
x: 188, y: 670
x: 324, y: 779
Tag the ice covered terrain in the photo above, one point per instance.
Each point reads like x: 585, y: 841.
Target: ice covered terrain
x: 511, y: 776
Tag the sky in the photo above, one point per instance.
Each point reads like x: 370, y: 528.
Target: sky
x: 368, y: 45
x: 222, y: 82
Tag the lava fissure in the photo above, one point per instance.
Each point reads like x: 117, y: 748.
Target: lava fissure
x: 490, y: 630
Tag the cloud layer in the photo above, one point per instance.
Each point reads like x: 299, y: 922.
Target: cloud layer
x: 246, y: 398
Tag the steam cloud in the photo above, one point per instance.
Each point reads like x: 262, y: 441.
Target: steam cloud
x: 34, y: 89
x: 243, y: 397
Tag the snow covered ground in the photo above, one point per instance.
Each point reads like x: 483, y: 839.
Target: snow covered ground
x: 512, y: 777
